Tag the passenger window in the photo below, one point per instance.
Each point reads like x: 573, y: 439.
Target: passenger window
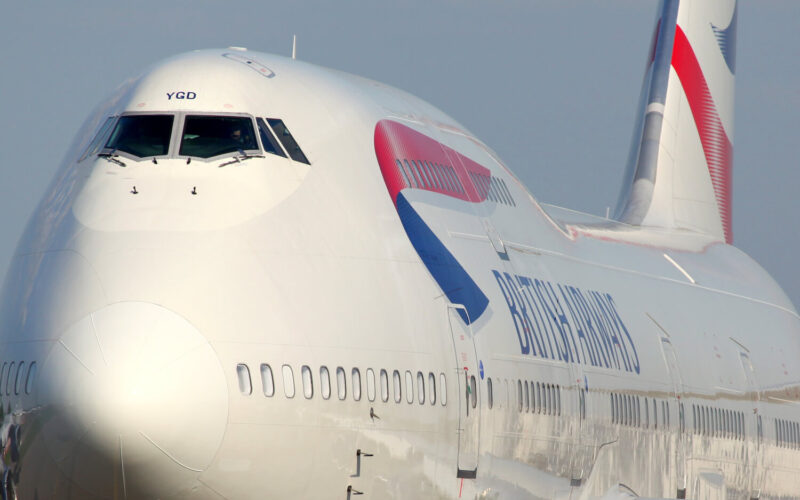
x: 432, y: 388
x: 437, y: 181
x: 626, y: 409
x: 403, y: 174
x: 655, y: 414
x: 398, y: 396
x: 356, y: 380
x: 443, y: 389
x: 484, y: 181
x: 615, y: 408
x: 700, y: 423
x: 558, y: 400
x: 447, y: 178
x: 423, y: 173
x: 548, y: 400
x: 285, y: 137
x: 724, y: 420
x: 473, y: 385
x: 421, y: 388
x: 370, y: 384
x: 324, y: 382
x: 267, y: 382
x: 417, y: 180
x: 538, y: 397
x: 487, y: 181
x: 268, y: 140
x: 508, y: 193
x: 422, y: 168
x: 9, y: 376
x: 243, y: 374
x: 397, y: 386
x: 288, y: 381
x: 434, y: 175
x: 490, y: 190
x: 759, y: 428
x: 384, y: 386
x: 20, y: 378
x: 493, y: 185
x: 142, y: 135
x: 210, y: 136
x: 519, y: 396
x: 3, y: 375
x: 409, y: 387
x: 439, y: 176
x: 31, y: 378
x: 341, y: 383
x: 423, y: 180
x: 308, y: 383
x: 527, y: 397
x: 740, y: 420
x: 98, y: 140
x: 409, y: 174
x: 447, y: 175
x: 490, y: 396
x: 455, y: 179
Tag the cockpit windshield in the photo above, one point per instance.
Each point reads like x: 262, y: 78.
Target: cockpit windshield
x: 142, y: 135
x: 209, y: 136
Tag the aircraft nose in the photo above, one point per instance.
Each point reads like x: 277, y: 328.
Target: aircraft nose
x: 139, y: 403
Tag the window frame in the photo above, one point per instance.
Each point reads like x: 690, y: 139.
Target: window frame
x: 268, y: 389
x: 176, y: 119
x: 245, y: 385
x: 324, y: 382
x: 303, y: 154
x: 99, y: 139
x: 177, y: 132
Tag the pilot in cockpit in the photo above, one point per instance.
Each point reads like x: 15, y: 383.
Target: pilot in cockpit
x: 236, y: 135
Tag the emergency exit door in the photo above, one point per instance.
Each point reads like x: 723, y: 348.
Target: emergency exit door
x: 467, y: 375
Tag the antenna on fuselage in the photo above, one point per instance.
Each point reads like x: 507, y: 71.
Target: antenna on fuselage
x: 294, y: 46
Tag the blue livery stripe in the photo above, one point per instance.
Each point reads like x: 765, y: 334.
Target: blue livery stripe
x: 451, y: 277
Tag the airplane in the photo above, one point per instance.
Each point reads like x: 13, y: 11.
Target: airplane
x: 253, y: 277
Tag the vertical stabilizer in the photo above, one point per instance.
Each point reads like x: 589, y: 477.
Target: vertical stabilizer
x: 680, y: 167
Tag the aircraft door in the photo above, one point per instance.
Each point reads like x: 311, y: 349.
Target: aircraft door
x: 468, y: 405
x: 583, y: 439
x: 754, y: 430
x: 671, y: 362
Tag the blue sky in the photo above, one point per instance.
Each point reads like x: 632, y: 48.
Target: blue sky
x: 551, y: 85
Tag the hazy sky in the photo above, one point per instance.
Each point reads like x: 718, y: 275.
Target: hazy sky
x: 551, y: 85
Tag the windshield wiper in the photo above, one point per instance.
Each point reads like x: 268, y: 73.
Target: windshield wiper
x: 111, y: 157
x: 240, y: 158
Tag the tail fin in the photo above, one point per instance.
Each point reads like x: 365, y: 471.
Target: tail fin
x: 680, y: 167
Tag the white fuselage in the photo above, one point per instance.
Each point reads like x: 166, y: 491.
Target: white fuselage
x: 276, y: 329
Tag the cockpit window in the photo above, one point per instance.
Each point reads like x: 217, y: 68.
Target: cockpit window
x: 101, y: 136
x: 142, y: 135
x: 287, y: 140
x: 209, y: 136
x: 268, y: 140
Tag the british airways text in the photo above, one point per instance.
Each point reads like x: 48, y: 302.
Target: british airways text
x: 564, y: 323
